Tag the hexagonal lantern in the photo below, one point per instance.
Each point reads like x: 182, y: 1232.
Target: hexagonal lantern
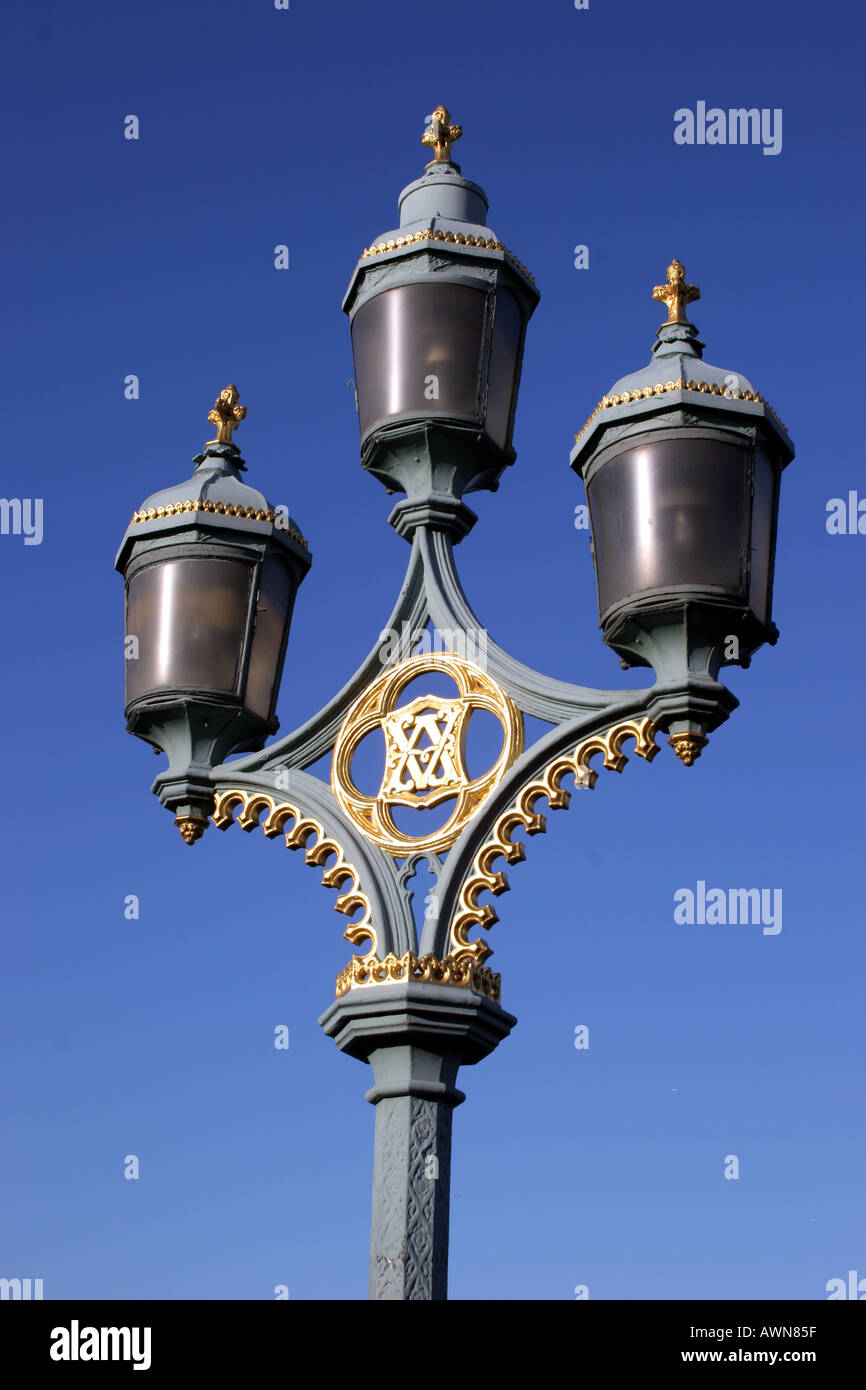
x: 211, y: 574
x: 438, y: 310
x: 682, y: 463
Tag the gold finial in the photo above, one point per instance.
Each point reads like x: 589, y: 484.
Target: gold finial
x: 688, y: 746
x: 227, y: 414
x: 676, y: 294
x: 191, y: 827
x: 441, y: 135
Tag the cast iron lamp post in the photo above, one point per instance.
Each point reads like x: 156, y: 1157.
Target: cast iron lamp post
x: 681, y: 463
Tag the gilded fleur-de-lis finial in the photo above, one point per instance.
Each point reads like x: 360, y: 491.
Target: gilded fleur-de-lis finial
x: 226, y: 414
x: 441, y: 135
x: 676, y: 294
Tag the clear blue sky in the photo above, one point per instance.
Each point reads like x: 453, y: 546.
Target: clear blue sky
x: 154, y: 1037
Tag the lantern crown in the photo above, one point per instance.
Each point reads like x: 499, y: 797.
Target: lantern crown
x: 226, y: 415
x: 441, y: 135
x: 675, y: 293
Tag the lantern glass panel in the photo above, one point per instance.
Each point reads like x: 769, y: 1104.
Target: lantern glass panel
x: 273, y: 610
x: 668, y: 514
x: 507, y: 331
x: 417, y: 351
x: 763, y: 517
x: 190, y: 620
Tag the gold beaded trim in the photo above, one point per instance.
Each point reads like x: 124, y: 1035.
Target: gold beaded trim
x: 363, y: 971
x: 201, y: 504
x: 645, y: 392
x: 488, y: 243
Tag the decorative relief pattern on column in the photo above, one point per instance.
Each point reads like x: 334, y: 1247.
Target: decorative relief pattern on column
x: 409, y: 1252
x: 521, y: 814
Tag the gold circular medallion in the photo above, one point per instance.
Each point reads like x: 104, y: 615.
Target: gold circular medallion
x: 424, y: 751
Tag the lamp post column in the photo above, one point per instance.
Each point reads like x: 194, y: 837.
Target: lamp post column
x: 415, y: 1036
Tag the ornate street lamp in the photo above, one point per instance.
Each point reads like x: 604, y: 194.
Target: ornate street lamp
x: 438, y: 309
x: 211, y: 575
x: 681, y: 464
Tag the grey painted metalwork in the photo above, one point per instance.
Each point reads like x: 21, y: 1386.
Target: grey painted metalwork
x: 416, y: 1035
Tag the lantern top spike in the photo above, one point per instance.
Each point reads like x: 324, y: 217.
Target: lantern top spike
x: 676, y: 294
x: 441, y: 135
x: 226, y: 415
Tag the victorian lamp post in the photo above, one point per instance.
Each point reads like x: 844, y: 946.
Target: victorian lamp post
x: 681, y: 462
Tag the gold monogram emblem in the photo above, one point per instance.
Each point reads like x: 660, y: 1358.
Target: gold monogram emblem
x: 424, y: 751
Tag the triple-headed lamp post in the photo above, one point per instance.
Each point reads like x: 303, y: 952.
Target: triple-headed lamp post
x: 681, y: 463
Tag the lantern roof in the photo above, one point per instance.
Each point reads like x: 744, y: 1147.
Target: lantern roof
x: 677, y: 351
x: 215, y: 496
x: 675, y: 373
x: 442, y: 208
x: 216, y: 479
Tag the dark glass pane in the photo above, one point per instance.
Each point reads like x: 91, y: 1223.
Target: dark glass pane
x: 273, y: 609
x: 189, y: 617
x: 763, y: 514
x: 507, y: 327
x: 417, y: 351
x: 672, y: 513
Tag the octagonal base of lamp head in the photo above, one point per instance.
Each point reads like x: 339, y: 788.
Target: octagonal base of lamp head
x: 685, y: 646
x: 442, y: 458
x: 196, y: 732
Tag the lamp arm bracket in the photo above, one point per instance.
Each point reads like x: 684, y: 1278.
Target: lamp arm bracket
x: 556, y: 702
x: 312, y: 740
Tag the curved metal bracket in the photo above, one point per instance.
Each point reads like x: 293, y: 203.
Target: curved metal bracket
x: 312, y: 740
x: 539, y: 773
x: 272, y: 789
x: 367, y: 879
x: 552, y: 700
